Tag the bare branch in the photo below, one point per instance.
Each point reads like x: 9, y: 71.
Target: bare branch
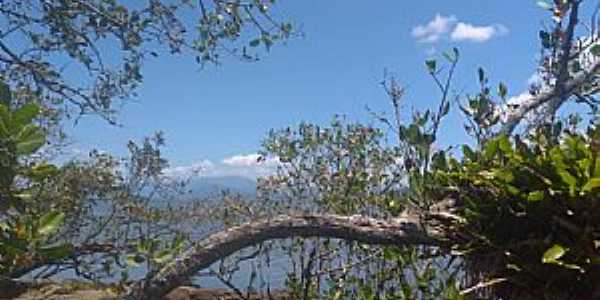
x: 517, y: 112
x: 563, y: 72
x: 399, y: 231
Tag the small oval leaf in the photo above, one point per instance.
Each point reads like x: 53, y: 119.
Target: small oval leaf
x: 553, y: 254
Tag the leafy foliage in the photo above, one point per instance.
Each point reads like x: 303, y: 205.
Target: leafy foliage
x: 51, y: 33
x: 26, y: 232
x: 530, y: 207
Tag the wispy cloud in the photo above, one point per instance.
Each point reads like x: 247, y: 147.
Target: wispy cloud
x: 248, y: 160
x: 444, y: 27
x: 246, y: 165
x: 435, y: 29
x: 191, y: 170
x: 473, y: 33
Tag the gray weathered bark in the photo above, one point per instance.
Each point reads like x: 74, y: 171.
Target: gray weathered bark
x: 399, y: 231
x: 516, y: 114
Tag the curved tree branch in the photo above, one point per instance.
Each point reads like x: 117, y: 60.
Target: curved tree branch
x: 399, y: 231
x: 518, y: 112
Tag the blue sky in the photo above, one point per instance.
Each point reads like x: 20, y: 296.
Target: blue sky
x: 212, y: 114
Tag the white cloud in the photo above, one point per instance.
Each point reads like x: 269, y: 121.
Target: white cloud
x: 242, y: 160
x: 203, y: 166
x: 470, y: 32
x: 434, y: 30
x: 535, y: 79
x: 519, y: 99
x: 515, y: 101
x: 449, y: 27
x: 247, y: 166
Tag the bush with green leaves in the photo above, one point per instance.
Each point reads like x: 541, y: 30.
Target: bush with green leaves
x: 529, y: 212
x: 97, y: 216
x: 27, y: 230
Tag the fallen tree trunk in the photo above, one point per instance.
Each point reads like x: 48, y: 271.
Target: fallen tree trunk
x: 398, y: 231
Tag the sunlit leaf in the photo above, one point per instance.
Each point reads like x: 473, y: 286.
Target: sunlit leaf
x: 535, y: 196
x: 50, y: 222
x: 29, y: 140
x: 56, y: 252
x: 593, y: 183
x: 490, y: 149
x: 553, y: 254
x: 163, y: 256
x: 567, y: 178
x: 25, y: 114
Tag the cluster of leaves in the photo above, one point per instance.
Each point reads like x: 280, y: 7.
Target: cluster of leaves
x: 529, y: 212
x: 100, y: 214
x: 350, y: 168
x: 96, y: 216
x: 26, y: 230
x: 81, y: 33
x: 342, y: 168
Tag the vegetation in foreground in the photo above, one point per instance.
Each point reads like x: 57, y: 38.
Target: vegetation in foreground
x: 511, y: 217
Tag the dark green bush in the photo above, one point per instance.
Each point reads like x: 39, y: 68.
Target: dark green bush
x: 529, y: 212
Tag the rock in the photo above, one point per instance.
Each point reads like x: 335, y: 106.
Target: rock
x: 79, y: 291
x: 191, y: 293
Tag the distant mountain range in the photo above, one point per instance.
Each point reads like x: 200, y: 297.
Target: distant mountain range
x: 210, y: 186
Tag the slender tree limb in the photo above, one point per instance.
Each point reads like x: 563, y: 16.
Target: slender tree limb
x: 517, y: 112
x: 400, y: 232
x: 563, y: 72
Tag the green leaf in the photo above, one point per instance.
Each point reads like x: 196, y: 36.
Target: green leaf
x: 597, y: 167
x: 481, y: 75
x: 438, y: 161
x: 567, y: 178
x: 553, y: 254
x: 595, y: 50
x: 56, y: 252
x: 413, y: 134
x: 254, y: 43
x: 593, y: 183
x: 24, y: 196
x: 43, y: 170
x: 490, y: 149
x: 29, y: 140
x: 535, y: 196
x: 5, y: 94
x: 25, y: 114
x: 50, y: 222
x: 452, y: 57
x: 431, y: 65
x: 504, y: 144
x: 505, y: 175
x: 502, y: 90
x: 162, y: 257
x: 468, y: 153
x: 4, y: 121
x: 178, y: 242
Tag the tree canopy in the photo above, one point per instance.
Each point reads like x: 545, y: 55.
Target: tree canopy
x: 511, y: 217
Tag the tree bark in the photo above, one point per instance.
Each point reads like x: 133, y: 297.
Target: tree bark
x: 516, y: 114
x: 399, y: 232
